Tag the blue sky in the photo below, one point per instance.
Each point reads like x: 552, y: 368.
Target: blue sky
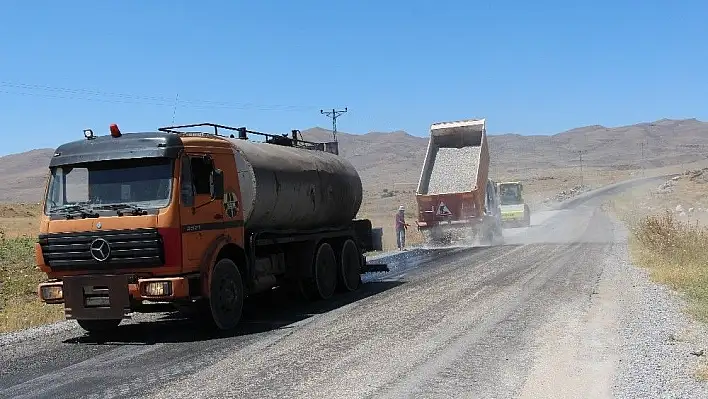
x: 535, y: 67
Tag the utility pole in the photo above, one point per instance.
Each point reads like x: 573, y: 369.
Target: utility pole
x: 642, y: 165
x: 580, y: 153
x: 334, y: 114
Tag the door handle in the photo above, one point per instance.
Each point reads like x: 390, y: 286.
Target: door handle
x: 218, y: 216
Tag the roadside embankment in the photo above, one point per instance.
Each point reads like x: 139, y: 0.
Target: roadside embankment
x: 19, y: 306
x: 668, y: 237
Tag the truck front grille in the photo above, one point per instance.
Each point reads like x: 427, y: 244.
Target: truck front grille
x: 128, y: 249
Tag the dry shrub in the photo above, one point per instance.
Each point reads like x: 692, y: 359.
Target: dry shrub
x: 676, y: 253
x: 19, y: 305
x: 702, y: 372
x: 671, y: 237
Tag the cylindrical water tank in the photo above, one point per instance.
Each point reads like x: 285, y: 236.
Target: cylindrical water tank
x: 290, y: 188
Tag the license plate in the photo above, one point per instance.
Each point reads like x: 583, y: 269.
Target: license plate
x: 97, y: 301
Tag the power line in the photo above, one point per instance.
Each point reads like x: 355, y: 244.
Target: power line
x: 174, y: 110
x: 334, y: 114
x: 43, y: 91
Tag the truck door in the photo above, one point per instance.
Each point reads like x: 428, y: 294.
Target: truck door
x: 202, y: 217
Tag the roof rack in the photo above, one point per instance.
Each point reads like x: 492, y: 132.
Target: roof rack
x: 242, y: 133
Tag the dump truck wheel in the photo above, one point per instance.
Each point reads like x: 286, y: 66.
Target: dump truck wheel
x: 498, y: 234
x: 99, y: 326
x: 349, y: 267
x: 487, y: 236
x: 325, y: 272
x: 499, y: 237
x: 226, y: 294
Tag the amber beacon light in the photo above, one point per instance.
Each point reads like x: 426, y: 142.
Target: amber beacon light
x: 115, y: 132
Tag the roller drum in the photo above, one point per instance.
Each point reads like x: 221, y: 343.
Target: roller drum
x: 289, y: 188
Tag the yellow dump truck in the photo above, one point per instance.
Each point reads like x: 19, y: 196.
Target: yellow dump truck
x: 514, y: 212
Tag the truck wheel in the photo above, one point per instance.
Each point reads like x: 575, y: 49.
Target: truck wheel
x: 498, y: 236
x: 349, y: 267
x: 226, y: 294
x: 98, y: 326
x: 325, y: 272
x: 489, y: 236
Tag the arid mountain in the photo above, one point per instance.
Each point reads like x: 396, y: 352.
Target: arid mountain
x: 396, y: 157
x: 23, y: 176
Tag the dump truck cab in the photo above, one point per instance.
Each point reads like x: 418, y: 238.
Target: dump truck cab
x: 159, y: 217
x: 514, y: 211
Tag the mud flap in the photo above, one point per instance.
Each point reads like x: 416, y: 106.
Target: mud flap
x: 96, y: 297
x: 375, y: 268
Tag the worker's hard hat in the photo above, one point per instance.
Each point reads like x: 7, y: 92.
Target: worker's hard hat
x: 401, y: 208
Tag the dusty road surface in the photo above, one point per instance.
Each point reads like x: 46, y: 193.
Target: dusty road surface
x: 556, y: 312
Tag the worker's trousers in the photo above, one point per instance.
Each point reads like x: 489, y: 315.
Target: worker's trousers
x: 401, y: 238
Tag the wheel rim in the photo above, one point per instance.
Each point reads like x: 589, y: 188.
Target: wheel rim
x: 228, y: 296
x: 225, y: 299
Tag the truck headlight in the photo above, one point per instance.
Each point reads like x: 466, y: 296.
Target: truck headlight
x: 157, y: 288
x: 52, y: 292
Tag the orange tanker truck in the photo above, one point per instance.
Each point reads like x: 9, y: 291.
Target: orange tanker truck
x: 455, y: 196
x: 194, y: 216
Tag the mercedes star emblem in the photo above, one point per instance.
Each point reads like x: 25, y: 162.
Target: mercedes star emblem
x: 100, y: 249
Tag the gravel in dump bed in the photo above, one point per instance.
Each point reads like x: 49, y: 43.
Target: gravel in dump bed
x: 454, y: 170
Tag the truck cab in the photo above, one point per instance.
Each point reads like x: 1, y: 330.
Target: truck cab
x: 127, y: 218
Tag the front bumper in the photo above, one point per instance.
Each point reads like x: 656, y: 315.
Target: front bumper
x: 512, y: 216
x: 109, y: 296
x: 513, y: 219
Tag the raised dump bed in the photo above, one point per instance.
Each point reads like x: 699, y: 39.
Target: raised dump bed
x: 454, y: 170
x: 457, y: 159
x: 453, y: 182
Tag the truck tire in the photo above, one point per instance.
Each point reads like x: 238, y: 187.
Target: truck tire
x: 98, y: 326
x: 226, y: 295
x: 324, y: 275
x: 349, y: 267
x: 498, y: 233
x: 324, y: 272
x: 489, y: 235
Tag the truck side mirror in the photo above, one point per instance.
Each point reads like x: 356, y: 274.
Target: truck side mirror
x: 217, y: 184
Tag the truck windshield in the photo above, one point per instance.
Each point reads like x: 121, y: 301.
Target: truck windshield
x: 110, y: 186
x: 510, y: 195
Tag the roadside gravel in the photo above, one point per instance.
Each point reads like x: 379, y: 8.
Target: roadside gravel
x: 657, y: 338
x: 18, y: 337
x: 454, y: 170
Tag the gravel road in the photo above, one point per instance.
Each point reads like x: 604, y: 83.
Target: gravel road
x: 556, y: 312
x: 454, y: 170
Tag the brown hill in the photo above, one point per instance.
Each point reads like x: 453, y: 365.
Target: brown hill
x: 23, y: 176
x: 396, y: 157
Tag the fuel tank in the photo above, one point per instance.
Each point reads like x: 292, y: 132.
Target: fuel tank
x: 290, y: 188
